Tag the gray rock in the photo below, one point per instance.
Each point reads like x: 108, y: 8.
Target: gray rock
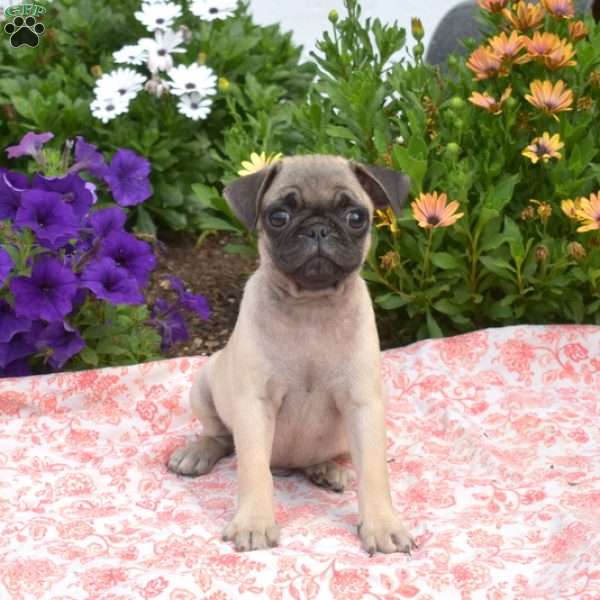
x: 460, y: 22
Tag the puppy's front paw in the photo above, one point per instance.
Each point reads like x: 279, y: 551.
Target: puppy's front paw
x: 252, y: 533
x: 385, y: 533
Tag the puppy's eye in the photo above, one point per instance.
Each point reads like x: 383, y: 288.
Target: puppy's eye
x: 356, y: 219
x: 279, y: 218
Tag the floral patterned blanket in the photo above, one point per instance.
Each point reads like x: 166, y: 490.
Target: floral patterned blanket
x: 494, y: 455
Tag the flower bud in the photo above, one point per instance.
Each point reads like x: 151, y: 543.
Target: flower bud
x: 333, y: 16
x: 452, y: 60
x: 390, y: 260
x: 416, y: 27
x: 456, y: 102
x: 576, y: 251
x: 96, y: 71
x: 186, y: 33
x: 527, y: 214
x: 223, y: 84
x: 541, y: 253
x: 511, y: 102
x: 156, y: 86
x: 452, y: 149
x: 202, y: 56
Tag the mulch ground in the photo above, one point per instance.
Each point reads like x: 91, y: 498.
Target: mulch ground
x: 220, y: 276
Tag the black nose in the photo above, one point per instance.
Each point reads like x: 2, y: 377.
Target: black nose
x: 318, y: 230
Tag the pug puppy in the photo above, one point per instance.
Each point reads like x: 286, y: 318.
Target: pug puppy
x: 298, y: 383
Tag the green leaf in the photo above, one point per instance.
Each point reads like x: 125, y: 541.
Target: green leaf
x: 445, y: 260
x: 433, y: 327
x: 340, y: 132
x: 89, y: 356
x: 210, y: 222
x: 413, y: 167
x: 391, y: 301
x: 144, y: 222
x: 498, y: 266
x: 241, y: 249
x: 501, y: 194
x: 446, y: 307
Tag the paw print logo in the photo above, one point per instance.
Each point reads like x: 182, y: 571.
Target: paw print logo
x: 24, y: 32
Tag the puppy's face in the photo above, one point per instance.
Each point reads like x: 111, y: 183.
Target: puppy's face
x: 314, y: 214
x: 315, y: 219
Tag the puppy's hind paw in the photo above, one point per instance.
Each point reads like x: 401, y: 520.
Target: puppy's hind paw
x: 330, y: 475
x: 200, y: 456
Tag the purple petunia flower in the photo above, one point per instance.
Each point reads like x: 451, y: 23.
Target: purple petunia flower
x: 17, y: 368
x: 63, y: 341
x: 47, y: 294
x: 193, y: 302
x: 6, y: 264
x: 111, y: 283
x: 30, y: 144
x: 88, y: 159
x: 10, y: 324
x: 127, y: 178
x: 76, y: 192
x: 129, y: 253
x: 107, y: 220
x: 51, y: 219
x: 11, y: 186
x: 19, y: 347
x: 169, y: 322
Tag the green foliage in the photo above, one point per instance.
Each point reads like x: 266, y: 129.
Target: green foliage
x: 508, y: 260
x: 50, y: 88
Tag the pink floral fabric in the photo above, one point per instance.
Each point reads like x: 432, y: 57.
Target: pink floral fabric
x: 494, y: 456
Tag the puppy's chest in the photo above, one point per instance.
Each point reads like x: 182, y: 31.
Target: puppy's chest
x: 308, y: 426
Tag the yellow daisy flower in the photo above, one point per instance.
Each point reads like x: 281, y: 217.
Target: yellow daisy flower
x: 484, y: 63
x: 544, y: 148
x: 589, y: 213
x: 570, y: 207
x: 386, y: 218
x: 258, y: 162
x: 493, y: 6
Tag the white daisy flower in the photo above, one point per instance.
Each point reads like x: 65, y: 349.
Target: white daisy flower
x: 132, y: 54
x: 158, y: 16
x: 209, y: 10
x: 187, y: 79
x: 122, y: 82
x: 194, y: 106
x: 152, y: 2
x: 161, y: 47
x: 106, y: 109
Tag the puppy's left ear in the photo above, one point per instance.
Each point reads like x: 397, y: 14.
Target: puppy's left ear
x: 385, y: 187
x: 244, y: 195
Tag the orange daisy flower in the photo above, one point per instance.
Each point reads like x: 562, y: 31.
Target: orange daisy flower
x: 542, y: 44
x: 493, y: 6
x: 570, y: 207
x: 526, y: 16
x: 508, y: 47
x: 578, y: 30
x: 431, y: 211
x: 544, y: 148
x: 484, y: 63
x: 488, y: 102
x: 589, y: 213
x: 561, y: 57
x: 549, y: 98
x: 563, y: 9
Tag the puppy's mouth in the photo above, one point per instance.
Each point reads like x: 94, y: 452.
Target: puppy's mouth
x: 318, y: 273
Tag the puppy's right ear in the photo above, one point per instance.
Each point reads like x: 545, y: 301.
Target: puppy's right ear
x: 245, y: 195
